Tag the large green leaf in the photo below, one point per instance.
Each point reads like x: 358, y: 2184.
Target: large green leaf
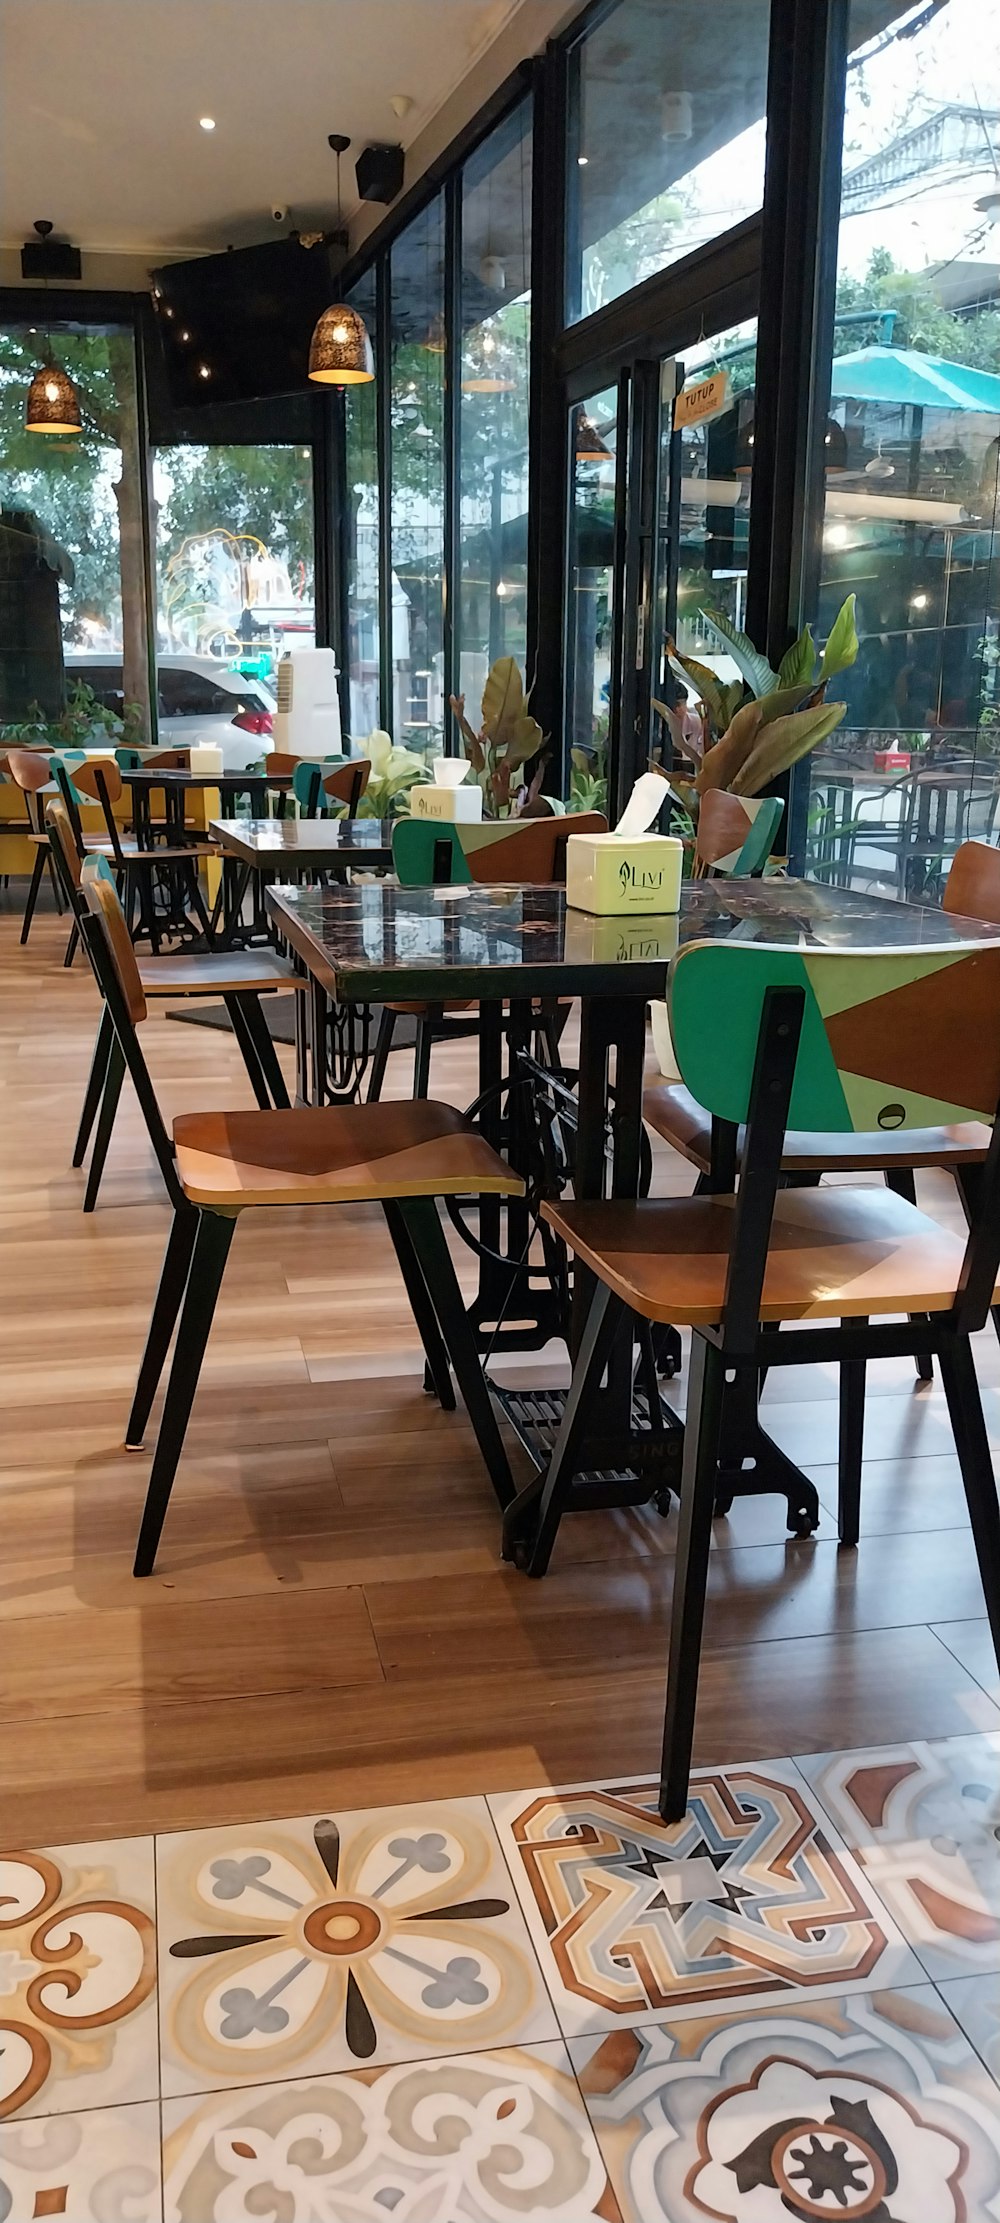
x: 503, y: 698
x: 798, y: 662
x: 720, y: 765
x: 526, y: 738
x: 781, y: 744
x: 755, y: 668
x: 842, y: 646
x: 711, y: 689
x: 783, y: 701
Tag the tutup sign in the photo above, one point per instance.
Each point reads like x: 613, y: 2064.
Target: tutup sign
x: 706, y: 399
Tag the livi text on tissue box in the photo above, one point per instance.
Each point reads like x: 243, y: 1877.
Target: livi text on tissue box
x: 631, y: 869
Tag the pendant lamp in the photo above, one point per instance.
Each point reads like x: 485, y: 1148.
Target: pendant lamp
x: 484, y: 372
x: 588, y: 446
x: 340, y: 352
x: 53, y: 404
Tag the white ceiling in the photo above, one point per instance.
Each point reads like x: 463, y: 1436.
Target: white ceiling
x: 100, y: 101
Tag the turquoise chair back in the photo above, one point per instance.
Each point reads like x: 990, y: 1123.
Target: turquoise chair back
x: 307, y: 783
x: 428, y: 853
x: 735, y: 833
x: 884, y: 1034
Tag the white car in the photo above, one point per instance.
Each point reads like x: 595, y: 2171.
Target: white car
x: 198, y: 700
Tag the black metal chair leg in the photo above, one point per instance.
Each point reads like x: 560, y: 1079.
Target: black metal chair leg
x: 852, y: 1430
x: 423, y: 1225
x: 380, y: 1058
x: 248, y: 1049
x: 965, y: 1409
x: 56, y: 889
x: 36, y: 880
x: 422, y: 1054
x: 701, y: 1457
x: 173, y: 1279
x: 72, y: 945
x: 900, y: 1179
x: 95, y: 1085
x: 421, y: 1306
x: 605, y: 1320
x: 208, y: 1264
x: 267, y: 1055
x: 113, y: 1079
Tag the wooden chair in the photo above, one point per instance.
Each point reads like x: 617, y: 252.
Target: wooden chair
x: 31, y: 771
x: 347, y: 784
x: 99, y: 781
x: 735, y: 833
x: 819, y: 1041
x: 239, y: 977
x: 973, y: 891
x: 401, y: 1156
x: 425, y: 853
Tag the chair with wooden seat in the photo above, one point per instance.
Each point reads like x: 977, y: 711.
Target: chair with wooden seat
x: 99, y: 781
x: 31, y: 771
x: 346, y: 785
x: 240, y: 978
x: 400, y: 1156
x: 820, y: 1041
x: 429, y: 853
x: 973, y: 891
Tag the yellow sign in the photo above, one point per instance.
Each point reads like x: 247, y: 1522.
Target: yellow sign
x: 707, y: 399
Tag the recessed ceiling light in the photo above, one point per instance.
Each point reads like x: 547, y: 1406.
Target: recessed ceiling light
x: 207, y: 123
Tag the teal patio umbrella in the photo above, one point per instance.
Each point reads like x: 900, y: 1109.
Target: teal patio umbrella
x: 901, y: 376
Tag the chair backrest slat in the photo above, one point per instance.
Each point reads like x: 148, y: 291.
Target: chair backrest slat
x: 907, y: 1037
x: 63, y: 842
x: 102, y: 900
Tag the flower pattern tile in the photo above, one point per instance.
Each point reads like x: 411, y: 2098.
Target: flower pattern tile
x: 77, y: 1978
x: 317, y: 1945
x: 750, y: 1895
x: 99, y: 2167
x: 479, y: 2139
x: 926, y: 1821
x: 871, y: 2107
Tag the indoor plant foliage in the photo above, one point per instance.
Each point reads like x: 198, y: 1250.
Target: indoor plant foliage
x: 507, y: 740
x: 393, y: 772
x: 755, y: 727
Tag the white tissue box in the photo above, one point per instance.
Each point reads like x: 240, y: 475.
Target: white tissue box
x: 459, y: 806
x: 614, y: 873
x: 205, y: 758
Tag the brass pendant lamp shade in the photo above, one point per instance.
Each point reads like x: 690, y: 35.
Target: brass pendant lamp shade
x: 53, y: 404
x: 341, y: 350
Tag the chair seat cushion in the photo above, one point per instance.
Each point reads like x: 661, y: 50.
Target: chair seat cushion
x: 218, y: 973
x: 835, y: 1253
x: 344, y: 1154
x: 675, y: 1114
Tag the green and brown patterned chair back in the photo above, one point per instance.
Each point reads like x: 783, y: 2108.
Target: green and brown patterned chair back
x: 890, y: 1038
x: 735, y: 833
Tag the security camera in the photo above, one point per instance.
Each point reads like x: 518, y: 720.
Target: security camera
x: 279, y: 215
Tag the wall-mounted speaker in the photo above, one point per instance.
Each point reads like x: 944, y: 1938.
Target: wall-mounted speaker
x: 50, y: 258
x: 379, y: 172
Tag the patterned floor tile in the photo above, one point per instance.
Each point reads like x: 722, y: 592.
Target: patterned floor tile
x: 975, y: 2003
x: 77, y: 1978
x: 293, y: 1947
x: 872, y: 2106
x: 924, y: 1819
x: 472, y: 2140
x: 749, y: 1896
x: 94, y: 2168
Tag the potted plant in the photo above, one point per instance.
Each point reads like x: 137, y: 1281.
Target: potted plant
x: 508, y: 738
x: 394, y: 771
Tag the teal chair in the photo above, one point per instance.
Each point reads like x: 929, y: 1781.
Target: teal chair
x: 334, y: 779
x: 427, y: 854
x: 810, y: 1040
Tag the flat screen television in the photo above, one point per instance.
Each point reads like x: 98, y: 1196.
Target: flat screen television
x: 237, y: 326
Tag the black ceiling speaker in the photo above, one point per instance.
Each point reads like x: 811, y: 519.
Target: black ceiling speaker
x: 49, y: 258
x: 379, y: 172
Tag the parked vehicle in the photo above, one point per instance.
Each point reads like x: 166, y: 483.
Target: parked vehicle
x: 198, y: 700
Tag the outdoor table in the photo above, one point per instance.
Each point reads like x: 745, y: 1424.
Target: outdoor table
x: 376, y: 944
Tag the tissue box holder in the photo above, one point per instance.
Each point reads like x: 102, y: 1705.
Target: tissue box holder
x: 611, y: 874
x: 456, y: 806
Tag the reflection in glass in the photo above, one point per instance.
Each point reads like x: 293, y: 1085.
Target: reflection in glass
x: 493, y: 407
x: 911, y: 516
x: 417, y: 480
x: 591, y: 577
x: 234, y: 552
x: 362, y: 535
x: 72, y: 574
x: 667, y: 137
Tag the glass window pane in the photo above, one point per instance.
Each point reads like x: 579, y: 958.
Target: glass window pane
x: 594, y: 433
x: 417, y: 479
x: 234, y: 561
x: 495, y: 340
x: 912, y: 452
x: 667, y: 139
x: 362, y: 535
x: 72, y: 575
